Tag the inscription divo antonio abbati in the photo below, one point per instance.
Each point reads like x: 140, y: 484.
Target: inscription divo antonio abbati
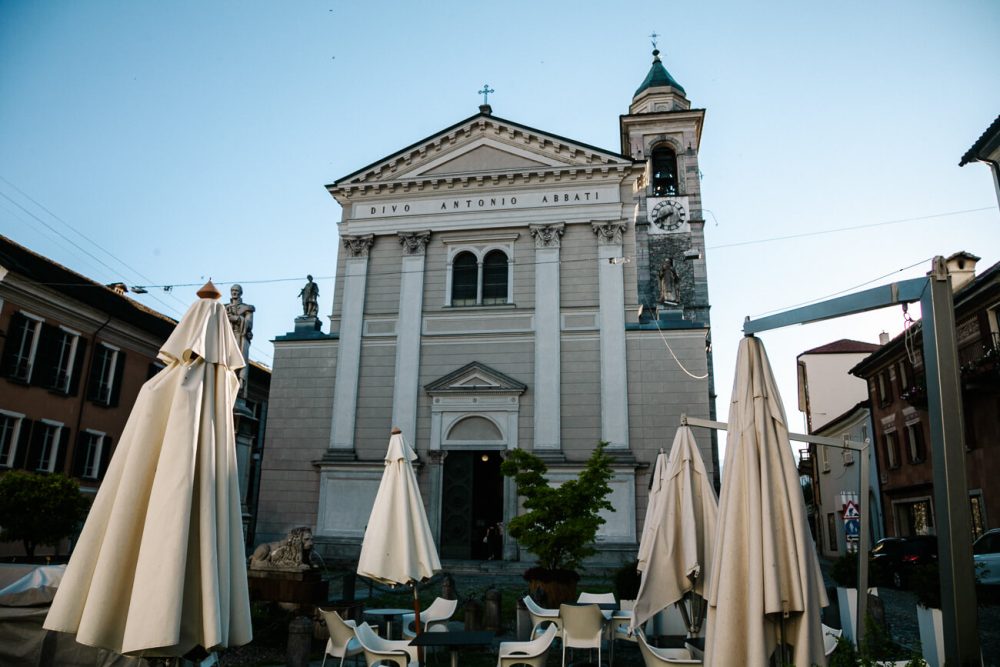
x: 532, y: 199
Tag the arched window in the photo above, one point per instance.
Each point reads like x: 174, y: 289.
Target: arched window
x: 664, y: 172
x: 464, y: 280
x: 495, y: 277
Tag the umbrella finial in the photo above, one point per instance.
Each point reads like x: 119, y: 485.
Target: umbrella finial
x: 209, y: 291
x: 396, y: 430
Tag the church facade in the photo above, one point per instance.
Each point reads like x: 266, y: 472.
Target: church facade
x: 500, y: 286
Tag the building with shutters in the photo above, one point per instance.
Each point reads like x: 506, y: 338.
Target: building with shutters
x: 498, y: 287
x: 897, y: 393
x: 74, y: 356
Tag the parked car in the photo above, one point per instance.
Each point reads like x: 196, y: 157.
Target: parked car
x: 893, y: 559
x: 986, y: 553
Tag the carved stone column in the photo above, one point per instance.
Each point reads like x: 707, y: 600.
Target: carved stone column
x: 547, y: 335
x: 408, y: 328
x: 614, y: 378
x: 345, y: 392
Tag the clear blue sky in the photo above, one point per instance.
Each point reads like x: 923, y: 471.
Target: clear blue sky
x: 188, y: 139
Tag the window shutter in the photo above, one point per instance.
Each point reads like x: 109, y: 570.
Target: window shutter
x: 80, y: 454
x: 23, y: 444
x: 81, y: 354
x: 116, y: 387
x: 94, y: 379
x: 105, y: 457
x: 60, y: 466
x: 15, y: 332
x: 43, y: 370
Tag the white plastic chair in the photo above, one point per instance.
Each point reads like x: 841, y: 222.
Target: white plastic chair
x: 659, y: 657
x: 583, y: 627
x: 540, y: 616
x: 378, y: 650
x: 433, y: 619
x: 342, y: 643
x: 830, y: 637
x: 618, y: 627
x: 533, y: 653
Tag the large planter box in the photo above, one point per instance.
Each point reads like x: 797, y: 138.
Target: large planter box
x: 847, y: 601
x: 931, y: 635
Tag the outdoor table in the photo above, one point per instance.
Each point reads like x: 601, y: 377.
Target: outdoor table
x: 388, y: 614
x: 454, y: 640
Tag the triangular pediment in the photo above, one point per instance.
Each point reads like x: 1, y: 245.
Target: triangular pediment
x: 475, y: 378
x: 484, y: 155
x: 482, y: 146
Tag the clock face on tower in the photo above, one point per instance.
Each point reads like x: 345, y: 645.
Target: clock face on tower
x: 668, y: 215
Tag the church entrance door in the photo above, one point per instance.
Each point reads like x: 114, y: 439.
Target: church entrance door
x: 472, y: 506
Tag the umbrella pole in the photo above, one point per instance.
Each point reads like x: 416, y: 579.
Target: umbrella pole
x: 685, y: 615
x: 416, y: 622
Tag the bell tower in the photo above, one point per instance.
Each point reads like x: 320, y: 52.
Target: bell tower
x: 662, y: 130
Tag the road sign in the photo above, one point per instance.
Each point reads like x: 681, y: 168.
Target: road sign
x: 852, y: 528
x: 851, y: 510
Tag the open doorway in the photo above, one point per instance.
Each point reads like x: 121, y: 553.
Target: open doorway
x: 472, y: 506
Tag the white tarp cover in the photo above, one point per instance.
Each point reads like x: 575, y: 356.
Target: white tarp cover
x: 764, y: 565
x: 23, y: 642
x: 398, y: 547
x: 675, y: 555
x: 159, y: 567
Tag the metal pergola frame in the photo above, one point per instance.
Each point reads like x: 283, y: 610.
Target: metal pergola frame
x: 944, y: 407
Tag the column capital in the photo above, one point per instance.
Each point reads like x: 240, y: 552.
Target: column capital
x: 358, y: 246
x: 414, y: 243
x: 609, y: 232
x: 547, y: 236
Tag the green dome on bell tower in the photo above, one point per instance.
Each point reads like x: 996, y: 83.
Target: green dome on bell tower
x: 658, y: 77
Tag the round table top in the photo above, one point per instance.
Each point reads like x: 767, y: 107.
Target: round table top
x: 387, y: 612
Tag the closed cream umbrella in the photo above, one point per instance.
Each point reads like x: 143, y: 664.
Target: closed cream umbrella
x: 398, y: 548
x: 654, y: 509
x: 675, y: 555
x: 159, y: 568
x: 765, y: 586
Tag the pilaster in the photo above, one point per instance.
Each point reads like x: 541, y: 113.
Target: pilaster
x: 411, y: 293
x: 547, y: 335
x: 614, y: 381
x: 345, y: 392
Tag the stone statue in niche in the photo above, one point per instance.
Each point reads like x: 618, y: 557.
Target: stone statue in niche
x: 669, y: 281
x: 293, y: 553
x: 310, y: 298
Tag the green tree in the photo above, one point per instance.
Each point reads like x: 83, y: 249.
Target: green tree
x: 560, y: 522
x: 39, y: 509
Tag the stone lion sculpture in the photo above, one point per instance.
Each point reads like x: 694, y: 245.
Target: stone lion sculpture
x: 291, y: 553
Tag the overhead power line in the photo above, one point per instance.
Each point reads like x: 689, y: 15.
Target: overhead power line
x: 835, y: 230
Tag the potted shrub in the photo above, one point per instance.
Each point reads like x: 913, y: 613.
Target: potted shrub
x: 927, y: 586
x: 844, y: 573
x: 559, y: 523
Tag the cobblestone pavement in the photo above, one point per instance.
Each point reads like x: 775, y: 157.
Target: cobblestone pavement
x: 901, y: 617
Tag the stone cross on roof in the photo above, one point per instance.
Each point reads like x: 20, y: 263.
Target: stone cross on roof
x: 485, y: 93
